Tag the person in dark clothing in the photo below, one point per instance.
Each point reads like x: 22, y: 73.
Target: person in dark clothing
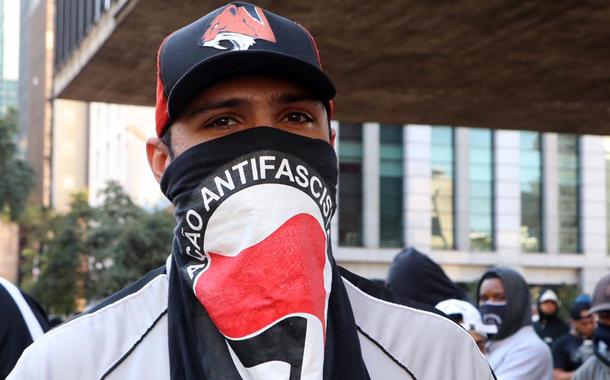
x: 572, y: 349
x: 515, y: 352
x: 414, y: 276
x: 597, y: 367
x: 21, y: 321
x: 549, y: 326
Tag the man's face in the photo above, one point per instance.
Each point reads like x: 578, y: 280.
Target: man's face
x: 238, y: 104
x: 548, y: 307
x: 491, y: 289
x: 585, y: 326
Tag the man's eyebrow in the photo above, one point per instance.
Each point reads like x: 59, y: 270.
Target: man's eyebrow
x: 229, y: 103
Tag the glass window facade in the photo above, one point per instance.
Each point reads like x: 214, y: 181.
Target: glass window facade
x: 350, y: 184
x: 530, y: 178
x: 481, y: 189
x: 568, y: 175
x: 442, y: 197
x: 390, y: 186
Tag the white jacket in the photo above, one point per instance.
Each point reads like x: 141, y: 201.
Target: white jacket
x: 128, y: 339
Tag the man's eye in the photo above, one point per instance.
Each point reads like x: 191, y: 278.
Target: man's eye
x: 298, y: 117
x: 221, y: 122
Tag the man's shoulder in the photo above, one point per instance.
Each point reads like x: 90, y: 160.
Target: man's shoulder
x: 90, y: 344
x: 526, y: 339
x: 411, y: 335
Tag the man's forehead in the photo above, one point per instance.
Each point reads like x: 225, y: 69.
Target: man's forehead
x: 247, y: 89
x: 492, y: 284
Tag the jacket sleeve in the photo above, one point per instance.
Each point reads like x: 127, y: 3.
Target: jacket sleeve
x: 28, y: 367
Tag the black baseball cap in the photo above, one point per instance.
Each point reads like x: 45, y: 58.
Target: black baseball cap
x: 236, y: 39
x: 577, y: 309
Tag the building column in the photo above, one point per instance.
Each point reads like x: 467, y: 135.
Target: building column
x: 334, y: 223
x: 550, y: 219
x: 417, y: 213
x: 462, y: 189
x: 507, y: 196
x: 370, y: 185
x: 593, y: 210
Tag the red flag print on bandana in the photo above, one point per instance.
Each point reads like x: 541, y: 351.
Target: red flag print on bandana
x: 281, y: 275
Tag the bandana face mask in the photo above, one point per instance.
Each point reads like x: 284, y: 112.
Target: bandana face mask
x: 252, y: 242
x: 492, y: 313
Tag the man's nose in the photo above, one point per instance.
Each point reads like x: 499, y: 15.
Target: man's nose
x: 262, y: 119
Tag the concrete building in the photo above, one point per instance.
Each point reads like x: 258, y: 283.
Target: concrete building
x: 95, y: 143
x: 69, y: 163
x: 36, y: 43
x: 473, y: 198
x: 60, y: 137
x: 117, y: 141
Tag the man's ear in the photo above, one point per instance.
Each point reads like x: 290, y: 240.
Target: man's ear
x: 158, y: 156
x: 333, y: 135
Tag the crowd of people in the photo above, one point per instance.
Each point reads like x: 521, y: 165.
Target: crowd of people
x: 519, y: 343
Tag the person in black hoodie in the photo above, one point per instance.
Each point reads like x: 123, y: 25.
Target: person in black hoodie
x: 515, y: 352
x: 414, y: 276
x: 549, y: 326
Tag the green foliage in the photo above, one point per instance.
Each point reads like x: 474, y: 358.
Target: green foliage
x: 126, y: 243
x: 34, y: 231
x: 142, y: 245
x: 63, y: 258
x: 91, y: 252
x: 16, y: 175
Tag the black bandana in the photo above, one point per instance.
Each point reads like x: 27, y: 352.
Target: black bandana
x: 254, y: 290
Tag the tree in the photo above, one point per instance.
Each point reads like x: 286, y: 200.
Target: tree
x: 16, y: 175
x: 92, y: 252
x: 34, y: 233
x: 64, y: 256
x: 125, y: 241
x: 142, y: 245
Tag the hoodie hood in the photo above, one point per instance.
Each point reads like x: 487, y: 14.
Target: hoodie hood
x: 518, y: 313
x: 415, y: 276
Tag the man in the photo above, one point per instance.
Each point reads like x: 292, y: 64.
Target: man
x: 515, y: 352
x: 549, y: 325
x: 413, y: 275
x: 251, y: 290
x: 597, y: 367
x: 572, y: 349
x: 22, y: 321
x: 469, y: 318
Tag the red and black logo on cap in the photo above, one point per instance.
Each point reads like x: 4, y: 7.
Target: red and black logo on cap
x: 237, y: 27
